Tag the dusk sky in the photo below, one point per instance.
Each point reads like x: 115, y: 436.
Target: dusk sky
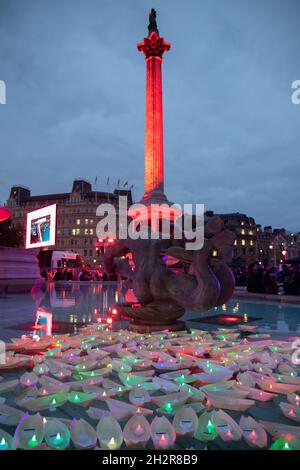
x: 76, y: 100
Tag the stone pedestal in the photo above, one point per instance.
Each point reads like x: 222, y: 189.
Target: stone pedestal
x: 19, y: 270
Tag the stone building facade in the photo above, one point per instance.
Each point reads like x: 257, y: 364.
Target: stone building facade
x: 254, y: 243
x: 76, y: 215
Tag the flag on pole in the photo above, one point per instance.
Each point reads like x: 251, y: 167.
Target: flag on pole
x: 125, y: 184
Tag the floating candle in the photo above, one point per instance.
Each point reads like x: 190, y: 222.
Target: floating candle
x: 3, y: 444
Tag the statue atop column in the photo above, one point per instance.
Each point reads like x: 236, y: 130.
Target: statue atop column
x: 152, y: 26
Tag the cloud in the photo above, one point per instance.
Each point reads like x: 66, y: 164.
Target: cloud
x: 75, y: 100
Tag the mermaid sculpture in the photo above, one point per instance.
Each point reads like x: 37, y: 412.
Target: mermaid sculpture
x: 163, y: 294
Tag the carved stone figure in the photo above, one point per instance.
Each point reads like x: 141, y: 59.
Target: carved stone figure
x: 152, y: 27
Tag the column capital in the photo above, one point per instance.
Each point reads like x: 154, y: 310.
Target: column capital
x: 153, y: 45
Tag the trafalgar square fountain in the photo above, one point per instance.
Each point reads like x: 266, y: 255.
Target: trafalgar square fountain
x: 219, y: 387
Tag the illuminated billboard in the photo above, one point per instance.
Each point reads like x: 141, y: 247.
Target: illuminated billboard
x: 41, y: 227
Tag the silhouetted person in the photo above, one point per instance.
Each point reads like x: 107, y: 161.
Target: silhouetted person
x: 58, y: 275
x: 270, y: 281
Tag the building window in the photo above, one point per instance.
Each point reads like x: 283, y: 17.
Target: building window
x: 243, y: 231
x: 91, y: 252
x: 235, y: 242
x: 243, y: 242
x: 77, y: 221
x: 86, y: 221
x: 76, y: 231
x: 251, y: 243
x: 250, y: 232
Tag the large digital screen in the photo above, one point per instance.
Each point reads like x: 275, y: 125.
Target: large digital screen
x: 41, y: 227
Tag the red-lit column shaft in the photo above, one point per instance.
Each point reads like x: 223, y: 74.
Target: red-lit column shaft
x: 154, y: 140
x: 154, y: 48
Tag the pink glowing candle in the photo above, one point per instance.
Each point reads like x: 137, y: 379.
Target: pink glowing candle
x: 163, y: 442
x: 138, y: 430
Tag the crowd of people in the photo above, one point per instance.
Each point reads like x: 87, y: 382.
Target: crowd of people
x: 269, y: 279
x: 78, y: 275
x: 255, y: 277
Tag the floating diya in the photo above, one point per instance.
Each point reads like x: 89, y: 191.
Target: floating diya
x: 162, y: 433
x: 226, y: 427
x: 195, y: 394
x: 177, y: 398
x: 53, y: 352
x: 175, y: 374
x: 50, y: 388
x: 138, y: 396
x: 95, y: 373
x: 288, y: 442
x: 122, y: 410
x: 277, y: 387
x: 257, y: 394
x: 253, y: 433
x: 293, y: 398
x: 9, y: 416
x: 50, y: 402
x: 185, y: 421
x: 41, y: 369
x: 115, y: 387
x: 244, y: 378
x: 237, y: 391
x: 14, y: 362
x: 288, y: 379
x: 167, y: 409
x: 83, y: 435
x: 137, y: 432
x: 109, y: 433
x: 290, y: 411
x: 29, y: 432
x: 140, y: 364
x: 228, y: 403
x: 132, y: 380
x: 206, y: 430
x: 26, y: 395
x: 120, y: 366
x: 81, y: 398
x: 213, y: 377
x: 280, y: 429
x: 166, y: 386
x: 29, y: 379
x: 96, y: 413
x: 6, y: 441
x: 286, y: 369
x: 198, y: 407
x: 215, y: 387
x: 57, y: 434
